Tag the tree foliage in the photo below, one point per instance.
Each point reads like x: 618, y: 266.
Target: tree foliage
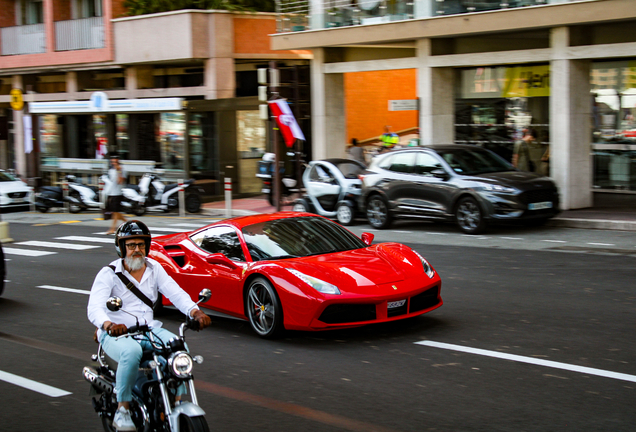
x: 142, y: 7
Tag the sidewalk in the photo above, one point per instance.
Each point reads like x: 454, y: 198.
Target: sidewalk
x: 601, y: 217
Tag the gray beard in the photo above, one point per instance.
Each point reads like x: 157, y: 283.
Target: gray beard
x: 135, y: 263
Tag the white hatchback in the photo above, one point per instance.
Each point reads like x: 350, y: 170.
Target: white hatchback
x: 15, y: 195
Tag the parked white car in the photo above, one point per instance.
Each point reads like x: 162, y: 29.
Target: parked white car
x: 15, y: 195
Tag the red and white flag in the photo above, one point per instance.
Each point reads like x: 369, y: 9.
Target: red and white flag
x: 286, y: 121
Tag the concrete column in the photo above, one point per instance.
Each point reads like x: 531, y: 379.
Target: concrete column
x: 327, y: 110
x: 220, y: 79
x: 570, y: 110
x: 71, y: 85
x: 49, y: 25
x: 435, y: 90
x: 316, y: 15
x: 18, y: 127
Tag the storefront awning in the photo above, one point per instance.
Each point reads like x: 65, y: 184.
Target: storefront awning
x: 99, y: 103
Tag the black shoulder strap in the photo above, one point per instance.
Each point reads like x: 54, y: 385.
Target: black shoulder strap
x: 132, y: 288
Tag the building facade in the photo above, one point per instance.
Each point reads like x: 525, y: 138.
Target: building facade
x: 482, y: 72
x: 174, y: 92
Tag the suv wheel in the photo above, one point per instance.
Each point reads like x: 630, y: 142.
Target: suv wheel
x: 469, y: 216
x: 378, y: 212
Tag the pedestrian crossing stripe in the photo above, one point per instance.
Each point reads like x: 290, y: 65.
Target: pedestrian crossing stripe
x: 26, y: 252
x: 88, y: 239
x: 56, y: 245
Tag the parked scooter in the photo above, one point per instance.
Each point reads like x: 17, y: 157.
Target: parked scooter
x: 79, y: 196
x: 161, y: 371
x: 265, y: 172
x: 152, y: 194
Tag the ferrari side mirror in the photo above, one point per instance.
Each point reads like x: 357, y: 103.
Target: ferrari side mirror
x: 367, y: 238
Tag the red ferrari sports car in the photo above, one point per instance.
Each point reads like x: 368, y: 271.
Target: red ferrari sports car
x: 298, y: 271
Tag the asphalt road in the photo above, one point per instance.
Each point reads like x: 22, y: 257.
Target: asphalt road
x: 547, y: 316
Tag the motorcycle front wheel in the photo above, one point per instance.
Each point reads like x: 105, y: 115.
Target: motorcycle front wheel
x: 193, y: 424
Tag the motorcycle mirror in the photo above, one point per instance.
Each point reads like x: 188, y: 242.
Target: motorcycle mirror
x: 205, y: 295
x: 114, y: 304
x: 367, y: 238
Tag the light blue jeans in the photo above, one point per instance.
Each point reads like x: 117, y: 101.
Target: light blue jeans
x: 127, y: 352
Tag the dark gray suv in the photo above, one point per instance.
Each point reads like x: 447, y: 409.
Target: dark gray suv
x: 462, y: 183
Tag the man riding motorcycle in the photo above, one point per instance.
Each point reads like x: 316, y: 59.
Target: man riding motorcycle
x: 146, y: 279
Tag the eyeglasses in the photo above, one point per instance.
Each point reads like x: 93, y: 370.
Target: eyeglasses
x: 133, y: 246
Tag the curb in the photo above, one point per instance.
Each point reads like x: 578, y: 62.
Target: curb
x: 601, y: 224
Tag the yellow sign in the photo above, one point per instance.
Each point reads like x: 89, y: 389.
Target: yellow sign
x: 17, y: 103
x: 527, y: 81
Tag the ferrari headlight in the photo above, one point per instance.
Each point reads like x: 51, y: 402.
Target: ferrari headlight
x: 427, y: 267
x: 180, y: 364
x: 315, y: 283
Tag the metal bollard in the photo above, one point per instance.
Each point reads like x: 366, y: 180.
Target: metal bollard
x: 228, y: 197
x: 32, y: 203
x: 181, y: 199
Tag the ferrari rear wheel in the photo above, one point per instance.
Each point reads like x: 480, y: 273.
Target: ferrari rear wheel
x: 264, y: 309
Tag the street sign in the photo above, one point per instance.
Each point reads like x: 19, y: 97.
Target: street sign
x: 403, y: 105
x: 17, y: 102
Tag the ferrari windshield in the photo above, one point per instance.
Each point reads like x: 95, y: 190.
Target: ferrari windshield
x: 297, y: 237
x: 474, y: 161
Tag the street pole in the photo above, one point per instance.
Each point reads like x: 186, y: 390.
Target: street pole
x: 273, y: 82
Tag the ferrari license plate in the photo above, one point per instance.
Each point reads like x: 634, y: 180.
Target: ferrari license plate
x: 395, y: 304
x: 540, y: 205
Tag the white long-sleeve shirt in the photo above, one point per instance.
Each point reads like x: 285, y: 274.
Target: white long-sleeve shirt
x: 155, y: 280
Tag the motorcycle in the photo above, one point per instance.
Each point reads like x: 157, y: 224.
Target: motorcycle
x: 79, y: 197
x: 152, y: 194
x: 163, y: 368
x: 265, y: 172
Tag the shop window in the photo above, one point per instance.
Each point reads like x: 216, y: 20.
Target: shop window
x: 172, y: 130
x: 50, y: 139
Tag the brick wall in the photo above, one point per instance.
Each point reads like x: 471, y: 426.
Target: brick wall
x: 250, y: 35
x: 7, y: 16
x: 366, y: 102
x: 61, y: 10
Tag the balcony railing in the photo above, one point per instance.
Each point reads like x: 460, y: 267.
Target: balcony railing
x: 299, y: 15
x: 26, y: 39
x: 78, y: 34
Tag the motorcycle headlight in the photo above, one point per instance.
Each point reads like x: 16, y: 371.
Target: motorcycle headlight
x: 315, y: 283
x: 180, y: 364
x: 427, y: 267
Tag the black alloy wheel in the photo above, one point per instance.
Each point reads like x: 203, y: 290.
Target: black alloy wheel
x: 263, y: 309
x: 345, y: 213
x: 378, y: 212
x: 469, y: 217
x: 72, y: 207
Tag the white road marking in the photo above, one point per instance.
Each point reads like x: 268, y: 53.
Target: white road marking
x: 436, y: 233
x: 555, y: 241
x: 32, y: 385
x: 404, y: 232
x: 88, y: 239
x: 57, y: 245
x: 601, y: 244
x: 56, y: 288
x: 512, y: 238
x: 26, y: 252
x: 531, y: 360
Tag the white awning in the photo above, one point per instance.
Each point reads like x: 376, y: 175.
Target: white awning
x: 99, y: 103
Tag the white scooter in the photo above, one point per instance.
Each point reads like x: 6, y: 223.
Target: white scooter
x: 80, y: 196
x: 152, y: 194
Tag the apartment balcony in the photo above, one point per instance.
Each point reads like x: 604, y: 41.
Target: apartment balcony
x: 25, y: 39
x: 299, y: 15
x: 79, y: 34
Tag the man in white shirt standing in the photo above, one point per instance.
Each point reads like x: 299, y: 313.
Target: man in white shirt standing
x: 132, y: 243
x: 117, y: 177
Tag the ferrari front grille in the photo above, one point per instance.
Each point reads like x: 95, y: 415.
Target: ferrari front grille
x: 347, y: 313
x: 424, y: 300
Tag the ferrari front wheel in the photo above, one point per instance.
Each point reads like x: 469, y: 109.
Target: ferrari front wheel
x: 264, y: 309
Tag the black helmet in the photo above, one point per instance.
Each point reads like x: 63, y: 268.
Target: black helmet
x: 129, y: 230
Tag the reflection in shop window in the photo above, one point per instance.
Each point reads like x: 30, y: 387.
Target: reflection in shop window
x: 172, y: 132
x: 121, y: 135
x: 50, y: 139
x: 613, y: 100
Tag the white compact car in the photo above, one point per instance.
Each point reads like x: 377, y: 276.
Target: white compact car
x: 15, y: 195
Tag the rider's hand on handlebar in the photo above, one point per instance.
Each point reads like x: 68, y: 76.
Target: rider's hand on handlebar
x: 117, y: 330
x: 203, y: 320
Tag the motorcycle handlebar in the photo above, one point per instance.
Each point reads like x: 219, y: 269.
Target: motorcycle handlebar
x: 138, y: 328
